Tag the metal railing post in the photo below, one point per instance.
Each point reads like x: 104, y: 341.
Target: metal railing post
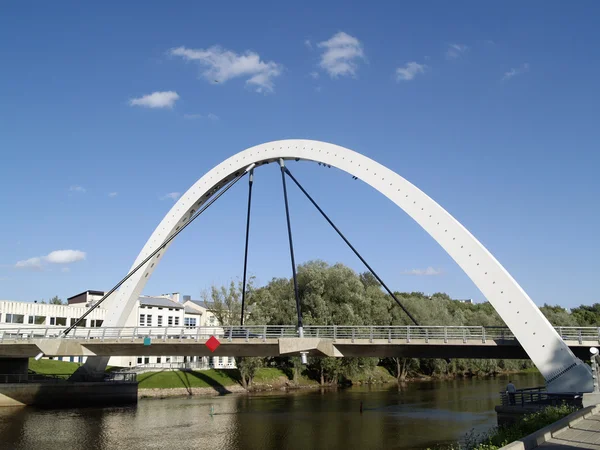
x: 165, y: 335
x: 483, y: 335
x: 353, y: 332
x: 464, y: 335
x: 103, y: 331
x: 247, y: 334
x: 197, y: 334
x: 580, y: 337
x: 408, y: 334
x: 181, y: 334
x: 134, y: 334
x: 445, y: 335
x: 389, y: 335
x: 427, y: 335
x: 118, y: 334
x: 335, y: 333
x: 265, y: 334
x: 371, y: 334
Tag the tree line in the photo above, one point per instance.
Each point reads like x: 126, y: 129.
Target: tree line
x: 337, y: 295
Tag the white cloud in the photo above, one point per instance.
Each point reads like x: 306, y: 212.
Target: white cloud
x: 341, y: 55
x: 65, y: 256
x: 79, y: 189
x: 171, y: 195
x: 314, y: 75
x: 209, y: 116
x: 55, y: 257
x: 113, y: 194
x: 165, y: 99
x: 409, y: 71
x: 30, y: 264
x: 515, y: 71
x: 221, y: 65
x: 456, y: 51
x: 308, y: 44
x: 430, y: 271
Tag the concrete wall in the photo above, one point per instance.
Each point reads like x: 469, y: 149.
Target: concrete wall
x: 67, y: 394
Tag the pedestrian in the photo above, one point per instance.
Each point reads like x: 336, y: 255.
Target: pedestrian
x: 511, y: 389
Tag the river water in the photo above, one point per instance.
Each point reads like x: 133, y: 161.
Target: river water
x: 416, y: 416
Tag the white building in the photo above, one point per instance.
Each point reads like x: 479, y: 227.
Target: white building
x: 151, y: 311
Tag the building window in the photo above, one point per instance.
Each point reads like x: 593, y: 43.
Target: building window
x: 96, y: 323
x: 139, y: 360
x: 158, y: 360
x: 37, y: 320
x: 15, y: 318
x: 80, y: 324
x: 176, y: 320
x: 142, y: 320
x: 61, y: 321
x: 168, y: 359
x: 160, y: 309
x: 159, y: 320
x: 189, y: 322
x: 211, y: 320
x: 149, y: 320
x: 146, y: 360
x: 170, y: 321
x: 52, y: 320
x: 149, y: 307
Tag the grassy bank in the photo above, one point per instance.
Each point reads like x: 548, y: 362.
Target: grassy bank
x: 52, y: 367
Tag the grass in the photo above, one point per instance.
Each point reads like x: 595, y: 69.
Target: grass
x: 269, y: 375
x: 169, y: 379
x: 52, y: 367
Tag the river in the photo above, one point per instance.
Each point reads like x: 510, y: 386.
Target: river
x: 416, y: 416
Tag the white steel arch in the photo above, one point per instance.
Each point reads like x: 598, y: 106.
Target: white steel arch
x: 539, y: 339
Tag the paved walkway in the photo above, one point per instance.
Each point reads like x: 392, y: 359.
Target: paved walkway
x: 583, y: 434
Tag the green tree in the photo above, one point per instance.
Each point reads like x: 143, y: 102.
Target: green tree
x: 56, y: 301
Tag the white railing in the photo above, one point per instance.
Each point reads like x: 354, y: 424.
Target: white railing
x: 263, y: 332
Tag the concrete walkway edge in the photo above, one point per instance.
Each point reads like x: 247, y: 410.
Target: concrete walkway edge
x: 545, y: 434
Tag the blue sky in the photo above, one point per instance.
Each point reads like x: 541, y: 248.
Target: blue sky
x: 490, y: 108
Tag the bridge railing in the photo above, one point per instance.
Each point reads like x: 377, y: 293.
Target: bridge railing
x: 438, y: 334
x: 538, y: 397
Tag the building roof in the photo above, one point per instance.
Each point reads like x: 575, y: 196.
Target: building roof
x: 160, y: 302
x: 87, y: 292
x: 203, y: 304
x: 189, y: 310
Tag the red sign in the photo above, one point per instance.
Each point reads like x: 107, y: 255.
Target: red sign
x: 212, y: 343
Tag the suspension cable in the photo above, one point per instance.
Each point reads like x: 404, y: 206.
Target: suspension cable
x: 164, y: 244
x: 286, y: 170
x: 250, y: 182
x: 289, y: 226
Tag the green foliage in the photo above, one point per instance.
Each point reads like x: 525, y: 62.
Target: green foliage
x: 336, y: 295
x: 56, y: 301
x: 501, y: 436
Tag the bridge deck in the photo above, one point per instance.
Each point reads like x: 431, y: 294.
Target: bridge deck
x: 274, y: 340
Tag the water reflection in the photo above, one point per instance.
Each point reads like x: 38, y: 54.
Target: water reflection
x: 413, y: 416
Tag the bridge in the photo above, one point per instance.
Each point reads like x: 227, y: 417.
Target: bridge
x: 531, y: 333
x: 282, y: 340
